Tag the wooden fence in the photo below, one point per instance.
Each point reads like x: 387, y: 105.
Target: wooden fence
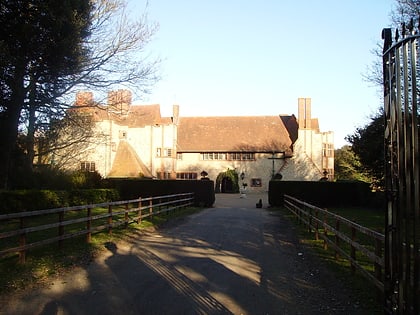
x: 26, y: 230
x: 344, y: 236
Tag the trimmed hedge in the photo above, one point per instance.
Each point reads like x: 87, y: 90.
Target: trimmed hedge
x: 322, y: 193
x: 28, y: 200
x: 135, y: 188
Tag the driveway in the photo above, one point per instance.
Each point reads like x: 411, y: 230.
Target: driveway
x: 229, y: 259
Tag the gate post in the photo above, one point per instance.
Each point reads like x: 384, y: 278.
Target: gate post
x: 402, y: 175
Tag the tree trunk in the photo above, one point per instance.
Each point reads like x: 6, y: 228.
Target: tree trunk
x: 30, y: 137
x: 9, y: 122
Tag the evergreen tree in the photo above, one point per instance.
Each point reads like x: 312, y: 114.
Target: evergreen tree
x: 368, y: 145
x: 41, y: 43
x: 347, y: 166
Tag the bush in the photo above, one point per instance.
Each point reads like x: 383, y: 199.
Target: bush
x: 90, y: 196
x: 81, y: 179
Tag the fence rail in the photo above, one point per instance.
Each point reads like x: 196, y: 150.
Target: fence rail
x: 336, y: 230
x: 26, y: 230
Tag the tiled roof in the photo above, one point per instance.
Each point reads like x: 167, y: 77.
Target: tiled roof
x: 137, y: 115
x: 233, y: 133
x: 144, y: 115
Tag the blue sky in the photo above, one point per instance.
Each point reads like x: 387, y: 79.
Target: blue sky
x: 232, y: 57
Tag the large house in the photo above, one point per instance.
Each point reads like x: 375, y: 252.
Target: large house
x: 137, y: 141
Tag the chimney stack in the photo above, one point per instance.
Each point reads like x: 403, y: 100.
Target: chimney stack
x: 304, y: 113
x: 119, y: 100
x: 175, y: 114
x: 84, y: 99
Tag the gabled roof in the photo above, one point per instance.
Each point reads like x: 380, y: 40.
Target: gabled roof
x: 233, y: 134
x: 127, y: 163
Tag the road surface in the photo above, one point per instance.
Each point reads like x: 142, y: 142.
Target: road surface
x: 229, y: 259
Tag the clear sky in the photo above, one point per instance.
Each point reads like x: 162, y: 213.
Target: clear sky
x: 249, y: 57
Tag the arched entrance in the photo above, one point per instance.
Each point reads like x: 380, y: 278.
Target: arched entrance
x: 227, y: 182
x: 227, y: 185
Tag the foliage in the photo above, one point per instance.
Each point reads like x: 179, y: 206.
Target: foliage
x: 404, y: 10
x: 82, y: 179
x: 48, y: 177
x: 347, y: 166
x: 54, y: 48
x: 230, y: 175
x: 29, y: 200
x: 43, y: 46
x: 368, y: 145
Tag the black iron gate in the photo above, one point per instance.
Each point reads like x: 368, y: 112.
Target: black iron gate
x: 401, y: 71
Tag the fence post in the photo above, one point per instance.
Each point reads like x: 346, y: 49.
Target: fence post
x: 22, y: 242
x: 337, y: 238
x: 316, y: 225
x: 88, y: 225
x: 60, y: 228
x: 139, y: 212
x: 151, y: 208
x: 110, y: 219
x: 126, y: 216
x: 310, y: 221
x: 353, y: 249
x: 325, y: 230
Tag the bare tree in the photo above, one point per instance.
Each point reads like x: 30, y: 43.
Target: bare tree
x: 402, y: 12
x: 117, y: 58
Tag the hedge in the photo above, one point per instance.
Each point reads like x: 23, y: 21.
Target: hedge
x: 28, y: 200
x: 135, y: 188
x: 323, y: 193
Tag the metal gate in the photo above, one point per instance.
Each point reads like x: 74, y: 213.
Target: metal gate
x: 401, y: 71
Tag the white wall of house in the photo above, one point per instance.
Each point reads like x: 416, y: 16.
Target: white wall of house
x: 147, y: 141
x: 156, y: 146
x: 260, y: 168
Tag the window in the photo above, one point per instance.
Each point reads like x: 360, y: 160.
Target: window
x: 247, y: 156
x: 208, y: 156
x: 163, y: 175
x: 123, y: 134
x: 256, y: 182
x: 327, y: 149
x: 87, y: 166
x: 237, y: 156
x: 163, y: 152
x: 233, y: 156
x: 186, y: 175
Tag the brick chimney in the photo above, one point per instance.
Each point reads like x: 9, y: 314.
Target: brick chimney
x: 304, y: 113
x: 84, y: 99
x: 119, y: 100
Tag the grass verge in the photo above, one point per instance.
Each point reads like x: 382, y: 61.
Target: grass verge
x: 51, y: 260
x: 367, y: 294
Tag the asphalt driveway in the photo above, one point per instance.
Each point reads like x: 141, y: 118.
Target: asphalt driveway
x: 229, y: 259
